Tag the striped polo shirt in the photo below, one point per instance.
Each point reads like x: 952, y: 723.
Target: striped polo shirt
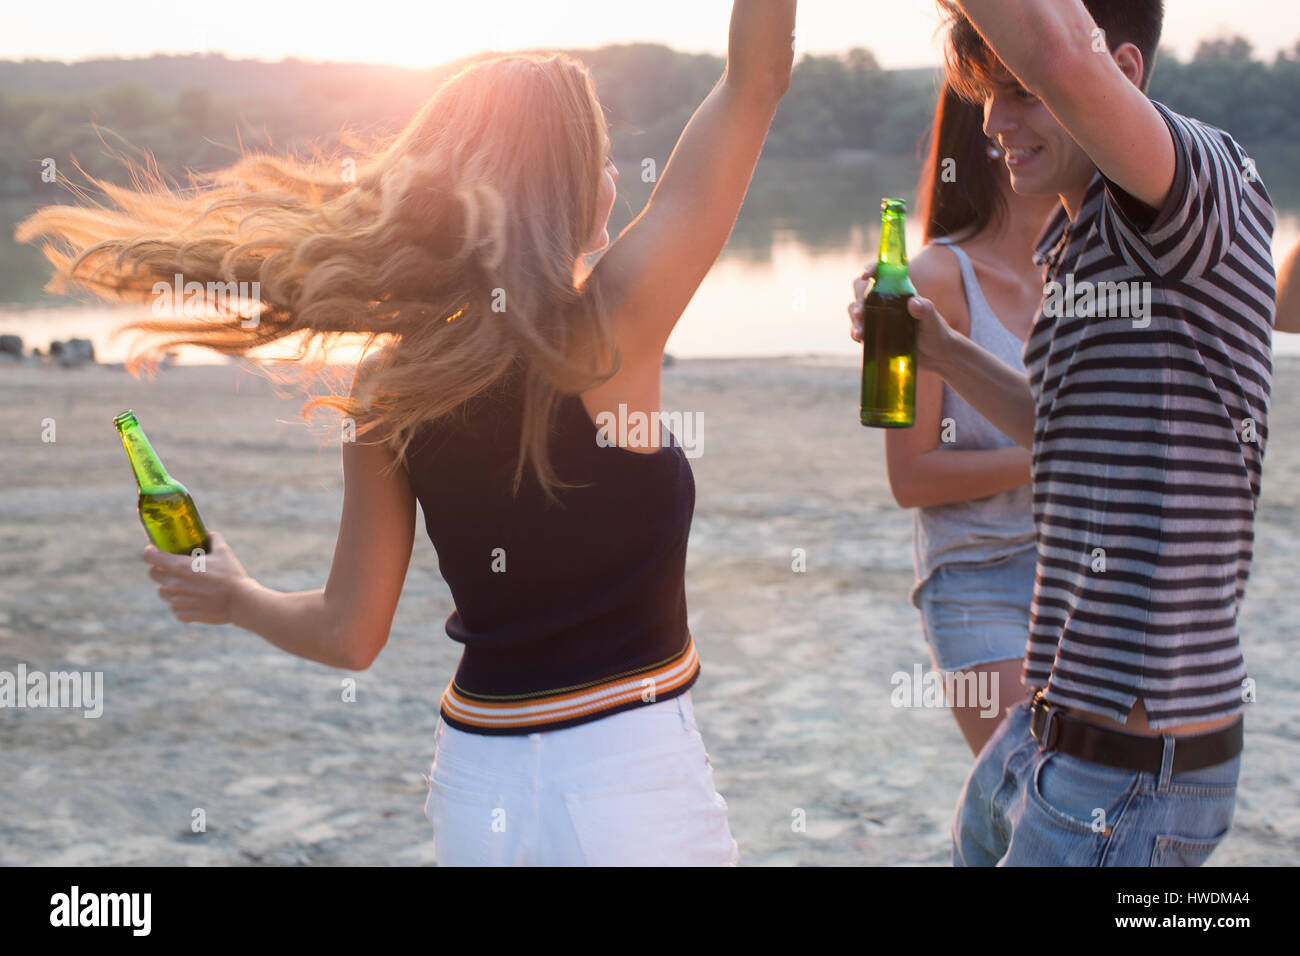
x: 1150, y: 365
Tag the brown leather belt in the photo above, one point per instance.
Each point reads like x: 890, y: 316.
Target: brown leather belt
x: 1054, y: 729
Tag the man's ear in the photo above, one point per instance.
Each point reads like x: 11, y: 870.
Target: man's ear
x: 1129, y: 59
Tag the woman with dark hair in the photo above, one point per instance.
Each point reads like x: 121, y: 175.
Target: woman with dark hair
x: 567, y: 735
x: 968, y: 483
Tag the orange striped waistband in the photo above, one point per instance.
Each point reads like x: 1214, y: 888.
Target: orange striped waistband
x: 570, y: 704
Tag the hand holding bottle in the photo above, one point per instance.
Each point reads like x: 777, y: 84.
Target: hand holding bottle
x: 933, y: 331
x: 199, y: 588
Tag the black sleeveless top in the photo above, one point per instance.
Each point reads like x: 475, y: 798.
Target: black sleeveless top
x: 569, y: 610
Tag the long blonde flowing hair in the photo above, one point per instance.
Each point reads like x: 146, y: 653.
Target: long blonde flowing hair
x: 459, y: 244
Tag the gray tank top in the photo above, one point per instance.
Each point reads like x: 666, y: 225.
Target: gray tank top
x: 987, y: 528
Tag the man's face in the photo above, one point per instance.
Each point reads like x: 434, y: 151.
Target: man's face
x: 1043, y: 159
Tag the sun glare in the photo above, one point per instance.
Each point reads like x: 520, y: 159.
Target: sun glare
x: 440, y: 33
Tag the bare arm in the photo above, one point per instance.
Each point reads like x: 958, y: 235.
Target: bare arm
x: 992, y: 387
x: 922, y: 473
x: 1053, y: 48
x: 940, y: 477
x: 1288, y: 294
x: 346, y: 623
x: 650, y: 273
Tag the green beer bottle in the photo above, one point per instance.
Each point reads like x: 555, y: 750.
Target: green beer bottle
x: 166, y: 509
x: 889, y: 331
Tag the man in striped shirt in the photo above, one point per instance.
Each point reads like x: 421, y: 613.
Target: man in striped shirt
x: 1145, y: 406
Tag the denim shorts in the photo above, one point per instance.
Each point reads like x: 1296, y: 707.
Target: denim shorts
x: 1024, y: 806
x: 632, y: 789
x: 978, y: 612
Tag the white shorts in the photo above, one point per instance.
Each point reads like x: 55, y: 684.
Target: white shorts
x: 633, y: 789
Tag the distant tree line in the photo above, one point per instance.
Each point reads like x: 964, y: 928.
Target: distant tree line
x: 198, y: 111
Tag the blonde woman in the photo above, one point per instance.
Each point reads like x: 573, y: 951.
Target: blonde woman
x: 567, y: 734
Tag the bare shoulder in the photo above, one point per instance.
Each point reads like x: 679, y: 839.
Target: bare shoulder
x: 373, y: 360
x: 936, y: 266
x: 937, y: 276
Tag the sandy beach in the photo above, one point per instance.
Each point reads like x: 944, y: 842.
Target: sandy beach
x: 793, y: 700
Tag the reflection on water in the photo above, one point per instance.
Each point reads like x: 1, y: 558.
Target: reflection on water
x: 795, y: 302
x: 780, y: 287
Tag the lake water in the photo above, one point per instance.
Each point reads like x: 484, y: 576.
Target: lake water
x: 779, y: 288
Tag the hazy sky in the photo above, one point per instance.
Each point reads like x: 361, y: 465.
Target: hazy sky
x: 425, y: 32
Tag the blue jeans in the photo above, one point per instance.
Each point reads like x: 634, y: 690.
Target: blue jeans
x: 1023, y: 806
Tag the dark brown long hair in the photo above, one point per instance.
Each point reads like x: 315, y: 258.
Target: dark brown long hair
x: 959, y: 188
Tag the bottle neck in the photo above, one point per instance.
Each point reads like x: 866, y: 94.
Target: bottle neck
x: 149, y: 471
x: 893, y: 247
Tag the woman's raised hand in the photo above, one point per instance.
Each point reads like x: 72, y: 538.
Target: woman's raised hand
x: 760, y: 51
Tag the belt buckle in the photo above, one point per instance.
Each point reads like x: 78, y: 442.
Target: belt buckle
x: 1048, y: 722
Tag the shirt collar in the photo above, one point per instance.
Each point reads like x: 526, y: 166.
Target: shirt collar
x: 1055, y: 237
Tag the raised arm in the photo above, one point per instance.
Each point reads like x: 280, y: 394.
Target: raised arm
x: 1056, y: 51
x: 652, y: 270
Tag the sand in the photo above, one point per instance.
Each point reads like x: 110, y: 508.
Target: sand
x: 793, y: 700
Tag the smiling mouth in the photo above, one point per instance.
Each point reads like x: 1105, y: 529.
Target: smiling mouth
x: 1017, y: 156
